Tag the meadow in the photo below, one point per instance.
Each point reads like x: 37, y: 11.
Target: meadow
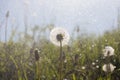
x: 34, y: 57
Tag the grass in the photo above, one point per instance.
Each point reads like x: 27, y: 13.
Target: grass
x: 17, y: 58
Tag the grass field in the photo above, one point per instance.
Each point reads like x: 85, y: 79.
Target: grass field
x: 82, y: 58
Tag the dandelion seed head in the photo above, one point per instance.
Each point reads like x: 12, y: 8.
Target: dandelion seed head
x: 59, y: 34
x: 108, y: 51
x: 104, y: 68
x: 108, y: 67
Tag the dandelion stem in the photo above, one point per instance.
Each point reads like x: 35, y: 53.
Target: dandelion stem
x: 61, y: 63
x: 37, y: 70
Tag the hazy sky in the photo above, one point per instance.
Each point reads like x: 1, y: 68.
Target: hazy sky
x: 91, y: 15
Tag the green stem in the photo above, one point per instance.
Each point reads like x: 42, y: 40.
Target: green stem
x: 61, y: 62
x: 37, y: 70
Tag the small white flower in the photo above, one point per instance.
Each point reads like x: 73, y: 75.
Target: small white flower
x: 108, y: 51
x: 97, y: 60
x: 59, y: 34
x: 106, y: 40
x: 83, y: 67
x: 93, y: 63
x: 97, y: 66
x: 65, y: 61
x: 108, y: 67
x: 93, y: 46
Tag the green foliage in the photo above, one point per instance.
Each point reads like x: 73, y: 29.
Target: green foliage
x: 17, y: 58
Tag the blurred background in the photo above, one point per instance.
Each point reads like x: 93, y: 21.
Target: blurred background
x: 91, y: 16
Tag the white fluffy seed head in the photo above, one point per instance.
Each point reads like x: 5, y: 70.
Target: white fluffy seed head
x: 108, y: 51
x: 108, y: 67
x: 59, y: 31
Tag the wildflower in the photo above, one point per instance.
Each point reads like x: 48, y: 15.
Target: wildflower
x: 106, y: 40
x: 97, y: 66
x: 108, y: 67
x: 108, y: 51
x: 65, y: 61
x: 97, y: 60
x: 58, y: 35
x: 93, y: 46
x: 93, y: 63
x: 83, y: 67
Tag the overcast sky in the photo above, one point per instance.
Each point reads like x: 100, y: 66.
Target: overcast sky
x: 93, y: 16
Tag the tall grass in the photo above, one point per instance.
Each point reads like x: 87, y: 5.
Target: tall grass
x: 17, y: 58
